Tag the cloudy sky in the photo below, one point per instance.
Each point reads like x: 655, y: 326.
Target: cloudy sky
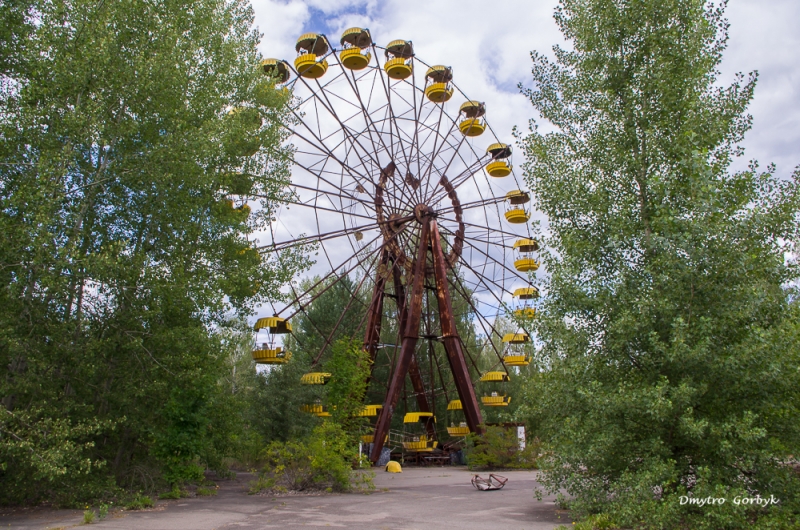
x: 488, y: 44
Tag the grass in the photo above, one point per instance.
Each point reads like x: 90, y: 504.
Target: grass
x: 88, y: 516
x: 203, y: 491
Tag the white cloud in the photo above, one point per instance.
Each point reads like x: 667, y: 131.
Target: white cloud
x: 488, y: 46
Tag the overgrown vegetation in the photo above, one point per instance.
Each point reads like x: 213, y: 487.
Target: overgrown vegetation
x: 670, y: 322
x: 499, y: 448
x: 130, y: 133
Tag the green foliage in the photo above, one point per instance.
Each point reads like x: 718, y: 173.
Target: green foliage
x: 122, y: 254
x: 350, y: 368
x: 203, y: 491
x: 88, y: 516
x: 139, y: 502
x: 670, y: 323
x: 102, y: 511
x: 324, y: 461
x: 498, y: 448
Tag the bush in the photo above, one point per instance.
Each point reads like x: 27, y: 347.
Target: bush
x: 498, y: 448
x: 139, y: 502
x: 323, y: 462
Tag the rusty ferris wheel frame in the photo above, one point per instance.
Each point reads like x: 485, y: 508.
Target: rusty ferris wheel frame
x: 387, y: 169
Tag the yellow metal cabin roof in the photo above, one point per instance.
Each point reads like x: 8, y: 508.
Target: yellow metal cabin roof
x: 276, y: 325
x: 526, y: 293
x: 473, y: 109
x: 413, y: 417
x: 440, y: 73
x: 315, y: 378
x: 499, y: 150
x: 357, y: 37
x: 400, y: 48
x: 526, y: 245
x: 370, y: 410
x: 518, y: 197
x: 495, y: 377
x: 516, y: 338
x: 315, y: 43
x: 455, y: 405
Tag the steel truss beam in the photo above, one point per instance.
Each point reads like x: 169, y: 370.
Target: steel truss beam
x: 410, y: 324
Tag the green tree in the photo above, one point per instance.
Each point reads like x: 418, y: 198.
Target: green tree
x: 670, y: 322
x: 131, y: 135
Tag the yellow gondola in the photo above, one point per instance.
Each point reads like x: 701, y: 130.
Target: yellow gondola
x: 266, y: 355
x: 522, y: 262
x: 516, y: 212
x: 277, y: 68
x: 398, y: 59
x: 473, y: 123
x: 439, y: 89
x: 265, y: 348
x: 355, y: 41
x: 419, y: 443
x: 514, y: 354
x: 461, y: 429
x: 310, y: 47
x: 495, y: 399
x: 522, y: 305
x: 500, y: 165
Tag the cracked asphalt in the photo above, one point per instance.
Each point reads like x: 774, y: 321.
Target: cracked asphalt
x: 433, y: 497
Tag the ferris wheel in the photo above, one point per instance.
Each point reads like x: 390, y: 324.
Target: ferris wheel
x: 399, y: 180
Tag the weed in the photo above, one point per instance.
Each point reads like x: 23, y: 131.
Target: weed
x: 102, y: 512
x: 174, y: 493
x: 139, y: 502
x: 88, y: 516
x: 205, y: 492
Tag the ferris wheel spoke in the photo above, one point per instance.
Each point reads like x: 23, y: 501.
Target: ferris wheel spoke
x: 345, y: 196
x: 367, y: 117
x: 393, y: 121
x: 353, y: 297
x: 350, y: 171
x: 455, y: 282
x: 306, y: 240
x: 333, y: 272
x: 496, y: 230
x: 329, y: 106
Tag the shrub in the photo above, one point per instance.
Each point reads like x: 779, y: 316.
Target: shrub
x: 324, y: 462
x: 139, y: 502
x: 498, y: 447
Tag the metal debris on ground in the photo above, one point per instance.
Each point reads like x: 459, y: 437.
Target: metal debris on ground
x: 494, y: 482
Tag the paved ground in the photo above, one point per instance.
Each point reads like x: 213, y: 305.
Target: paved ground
x: 430, y: 498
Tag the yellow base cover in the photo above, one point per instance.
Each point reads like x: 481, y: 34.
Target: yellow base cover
x: 526, y: 264
x: 438, y: 92
x: 393, y: 467
x: 458, y: 431
x: 397, y: 68
x: 471, y: 127
x: 498, y: 168
x: 353, y: 59
x: 307, y: 66
x: 516, y: 360
x: 517, y: 216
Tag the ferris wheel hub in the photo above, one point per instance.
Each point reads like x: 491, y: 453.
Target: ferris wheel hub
x: 422, y: 211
